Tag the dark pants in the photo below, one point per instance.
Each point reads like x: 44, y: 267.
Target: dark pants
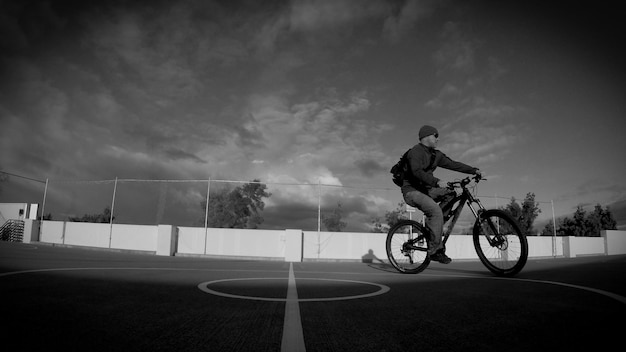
x: 427, y: 203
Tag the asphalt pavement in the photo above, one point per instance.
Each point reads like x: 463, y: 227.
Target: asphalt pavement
x: 80, y: 299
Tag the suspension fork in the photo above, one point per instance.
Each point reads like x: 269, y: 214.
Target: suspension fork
x: 472, y: 200
x: 497, y: 240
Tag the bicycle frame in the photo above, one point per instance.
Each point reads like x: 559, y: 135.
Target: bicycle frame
x: 465, y: 197
x: 458, y: 203
x: 499, y: 243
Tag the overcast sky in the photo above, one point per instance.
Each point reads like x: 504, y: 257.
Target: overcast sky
x: 314, y: 91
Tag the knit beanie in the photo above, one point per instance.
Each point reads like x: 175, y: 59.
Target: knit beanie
x: 426, y: 131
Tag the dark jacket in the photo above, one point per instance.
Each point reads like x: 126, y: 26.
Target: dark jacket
x: 422, y: 161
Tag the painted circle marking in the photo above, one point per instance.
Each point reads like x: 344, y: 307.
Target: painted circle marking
x: 614, y: 296
x: 385, y: 289
x: 204, y: 286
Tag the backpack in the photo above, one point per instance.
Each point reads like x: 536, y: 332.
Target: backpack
x: 399, y: 169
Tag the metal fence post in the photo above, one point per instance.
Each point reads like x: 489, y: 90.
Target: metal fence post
x: 112, y: 209
x: 206, y: 213
x: 43, y: 209
x: 553, y: 230
x: 319, y: 217
x: 43, y: 204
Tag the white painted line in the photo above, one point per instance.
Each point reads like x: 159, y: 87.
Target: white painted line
x: 293, y: 338
x: 383, y: 288
x: 614, y: 296
x: 204, y: 286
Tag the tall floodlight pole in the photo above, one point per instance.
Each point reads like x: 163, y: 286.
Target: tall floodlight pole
x: 206, y: 213
x: 43, y: 204
x: 112, y: 209
x: 553, y: 230
x: 319, y: 216
x: 43, y: 208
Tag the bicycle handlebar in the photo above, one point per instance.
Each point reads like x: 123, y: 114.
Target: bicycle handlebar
x: 464, y: 182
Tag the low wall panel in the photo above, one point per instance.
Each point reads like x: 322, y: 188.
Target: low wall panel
x: 344, y: 245
x: 315, y: 246
x: 134, y: 237
x: 191, y: 240
x: 461, y: 247
x: 246, y: 243
x: 52, y: 231
x: 581, y: 246
x: 615, y: 242
x: 87, y: 234
x: 544, y: 246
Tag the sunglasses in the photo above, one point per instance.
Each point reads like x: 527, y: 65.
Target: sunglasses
x: 436, y: 135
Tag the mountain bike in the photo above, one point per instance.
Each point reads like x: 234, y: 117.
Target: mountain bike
x: 498, y: 241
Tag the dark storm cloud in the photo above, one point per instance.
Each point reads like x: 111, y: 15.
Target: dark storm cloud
x: 370, y: 167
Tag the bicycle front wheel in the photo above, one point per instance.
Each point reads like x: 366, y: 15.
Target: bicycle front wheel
x: 407, y: 247
x: 499, y: 243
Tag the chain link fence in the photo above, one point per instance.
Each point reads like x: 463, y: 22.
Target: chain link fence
x: 290, y: 205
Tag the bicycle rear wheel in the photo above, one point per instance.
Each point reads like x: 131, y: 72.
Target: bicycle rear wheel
x: 499, y: 243
x: 407, y: 247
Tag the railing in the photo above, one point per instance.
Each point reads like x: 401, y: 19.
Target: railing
x: 12, y: 231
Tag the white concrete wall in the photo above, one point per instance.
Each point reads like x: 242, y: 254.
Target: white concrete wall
x: 167, y: 238
x: 191, y: 240
x: 352, y: 246
x: 131, y: 237
x: 581, y: 246
x: 461, y: 247
x: 343, y: 245
x: 232, y: 242
x: 136, y: 237
x: 545, y: 246
x: 87, y: 234
x: 31, y: 231
x: 11, y: 211
x: 293, y: 245
x: 615, y: 241
x: 52, y: 231
x: 246, y: 243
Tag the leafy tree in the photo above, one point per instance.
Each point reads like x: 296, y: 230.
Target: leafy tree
x: 525, y: 214
x: 601, y: 219
x: 586, y: 225
x: 46, y: 217
x: 514, y: 209
x: 391, y: 217
x: 332, y: 221
x: 394, y: 216
x: 566, y: 227
x: 377, y: 225
x: 580, y: 225
x: 573, y: 227
x: 548, y: 230
x: 104, y: 217
x: 239, y: 207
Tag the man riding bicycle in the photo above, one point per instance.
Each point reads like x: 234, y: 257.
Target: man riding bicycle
x: 421, y: 189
